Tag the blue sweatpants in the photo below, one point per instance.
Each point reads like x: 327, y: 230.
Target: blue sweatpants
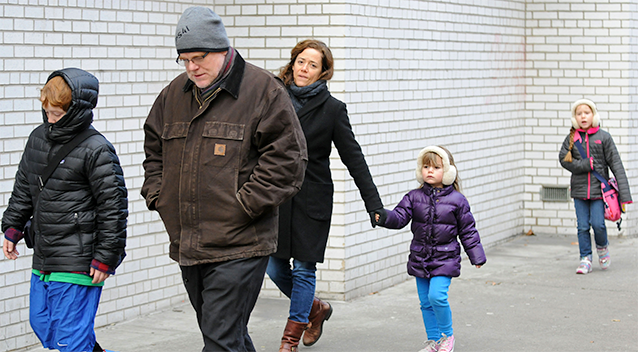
x: 62, y: 315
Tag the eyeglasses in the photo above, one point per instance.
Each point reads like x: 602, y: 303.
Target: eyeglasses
x: 197, y: 60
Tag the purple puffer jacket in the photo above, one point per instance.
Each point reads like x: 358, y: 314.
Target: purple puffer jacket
x: 439, y: 216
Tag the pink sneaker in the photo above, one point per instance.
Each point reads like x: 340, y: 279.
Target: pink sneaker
x: 584, y: 267
x: 446, y: 344
x: 603, y: 257
x: 430, y: 346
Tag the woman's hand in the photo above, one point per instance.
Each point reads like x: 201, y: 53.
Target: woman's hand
x: 377, y: 217
x: 9, y: 249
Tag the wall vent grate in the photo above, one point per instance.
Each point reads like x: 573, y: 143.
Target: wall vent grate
x: 555, y: 194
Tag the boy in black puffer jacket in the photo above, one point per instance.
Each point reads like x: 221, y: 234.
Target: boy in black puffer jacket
x: 78, y: 218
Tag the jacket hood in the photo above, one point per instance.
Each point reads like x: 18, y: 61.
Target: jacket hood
x: 84, y: 87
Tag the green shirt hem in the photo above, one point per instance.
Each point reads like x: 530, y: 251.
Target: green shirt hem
x: 70, y: 278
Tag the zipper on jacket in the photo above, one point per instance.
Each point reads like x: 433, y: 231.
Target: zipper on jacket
x: 76, y: 218
x: 211, y: 97
x: 589, y: 173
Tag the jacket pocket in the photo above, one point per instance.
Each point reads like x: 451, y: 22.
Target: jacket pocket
x: 175, y: 130
x: 221, y: 145
x: 173, y: 139
x: 446, y: 251
x: 86, y: 229
x: 224, y: 130
x: 319, y: 200
x: 222, y: 219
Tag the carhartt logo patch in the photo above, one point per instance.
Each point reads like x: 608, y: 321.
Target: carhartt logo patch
x: 220, y: 149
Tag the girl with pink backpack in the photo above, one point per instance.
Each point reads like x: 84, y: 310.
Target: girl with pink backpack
x: 588, y: 153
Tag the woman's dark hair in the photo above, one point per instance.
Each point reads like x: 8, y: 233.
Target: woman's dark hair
x: 327, y: 62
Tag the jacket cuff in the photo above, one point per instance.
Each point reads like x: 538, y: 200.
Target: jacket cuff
x: 591, y: 163
x: 151, y: 202
x: 13, y: 235
x: 97, y: 265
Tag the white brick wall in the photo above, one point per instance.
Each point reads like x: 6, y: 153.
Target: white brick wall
x: 419, y: 73
x: 580, y: 49
x: 491, y: 80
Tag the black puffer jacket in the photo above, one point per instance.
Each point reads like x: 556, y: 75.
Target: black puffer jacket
x: 81, y: 213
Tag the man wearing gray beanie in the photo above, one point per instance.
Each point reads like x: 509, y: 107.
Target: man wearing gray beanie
x: 224, y: 148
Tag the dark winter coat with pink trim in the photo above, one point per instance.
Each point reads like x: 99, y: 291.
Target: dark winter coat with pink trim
x: 602, y: 155
x: 439, y: 216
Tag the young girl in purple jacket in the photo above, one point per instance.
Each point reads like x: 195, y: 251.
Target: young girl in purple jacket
x: 439, y: 214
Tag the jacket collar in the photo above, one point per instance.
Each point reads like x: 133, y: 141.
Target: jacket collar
x: 589, y: 131
x: 441, y: 191
x: 232, y: 83
x: 313, y: 103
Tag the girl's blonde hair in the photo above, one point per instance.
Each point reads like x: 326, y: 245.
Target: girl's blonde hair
x: 568, y: 157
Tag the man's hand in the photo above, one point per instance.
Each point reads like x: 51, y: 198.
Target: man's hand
x: 98, y: 276
x: 9, y: 249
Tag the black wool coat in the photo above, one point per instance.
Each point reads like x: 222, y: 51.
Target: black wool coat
x: 304, y: 220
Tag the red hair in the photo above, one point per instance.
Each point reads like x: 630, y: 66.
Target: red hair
x: 56, y: 93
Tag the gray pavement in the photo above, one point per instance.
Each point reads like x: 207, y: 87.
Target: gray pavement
x: 526, y: 298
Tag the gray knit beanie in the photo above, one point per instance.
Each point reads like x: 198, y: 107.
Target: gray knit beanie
x: 200, y: 29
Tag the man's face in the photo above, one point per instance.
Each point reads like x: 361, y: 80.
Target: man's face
x: 203, y: 71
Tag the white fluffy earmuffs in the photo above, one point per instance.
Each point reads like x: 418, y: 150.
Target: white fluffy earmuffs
x: 592, y: 106
x: 449, y: 171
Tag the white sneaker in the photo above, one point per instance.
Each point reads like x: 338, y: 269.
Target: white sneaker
x: 584, y: 267
x: 603, y: 257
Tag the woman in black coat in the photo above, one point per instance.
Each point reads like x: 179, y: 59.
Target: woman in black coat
x: 304, y: 221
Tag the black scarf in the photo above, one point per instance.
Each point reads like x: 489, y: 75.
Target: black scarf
x: 301, y: 95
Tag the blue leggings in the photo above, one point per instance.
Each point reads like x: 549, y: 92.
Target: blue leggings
x: 437, y: 316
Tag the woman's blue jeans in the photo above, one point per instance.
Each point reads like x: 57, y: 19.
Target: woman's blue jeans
x: 590, y: 213
x: 297, y: 283
x: 437, y: 315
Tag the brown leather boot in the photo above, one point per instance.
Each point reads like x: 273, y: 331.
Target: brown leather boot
x: 292, y: 334
x: 320, y: 312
